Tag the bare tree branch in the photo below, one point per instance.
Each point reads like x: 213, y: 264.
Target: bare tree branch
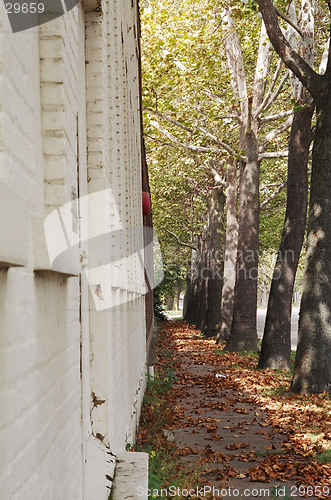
x: 273, y: 184
x: 180, y: 243
x: 230, y: 116
x: 154, y: 139
x: 205, y: 131
x: 174, y: 139
x: 272, y: 196
x: 215, y: 97
x: 261, y: 71
x: 308, y: 77
x: 168, y: 119
x: 223, y: 145
x: 235, y: 61
x: 265, y: 272
x: 271, y: 87
x: 279, y: 116
x: 218, y: 179
x: 276, y: 132
x: 273, y: 154
x: 324, y: 60
x: 289, y: 21
x: 276, y: 93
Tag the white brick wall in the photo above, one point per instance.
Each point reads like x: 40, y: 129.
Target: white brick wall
x: 60, y: 117
x: 128, y: 338
x: 115, y: 162
x: 40, y: 420
x: 40, y: 388
x: 58, y: 42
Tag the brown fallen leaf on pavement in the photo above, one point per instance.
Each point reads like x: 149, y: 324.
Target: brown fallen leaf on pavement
x: 236, y: 446
x: 304, y: 422
x: 270, y: 447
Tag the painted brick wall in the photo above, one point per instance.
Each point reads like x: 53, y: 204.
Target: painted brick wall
x: 40, y: 416
x: 114, y: 161
x: 126, y: 164
x: 69, y: 126
x: 59, y: 100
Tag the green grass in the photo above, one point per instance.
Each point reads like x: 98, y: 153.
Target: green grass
x: 324, y: 457
x: 253, y: 354
x: 157, y: 385
x: 283, y: 390
x: 162, y: 466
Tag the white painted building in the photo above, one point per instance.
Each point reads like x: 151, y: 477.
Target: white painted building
x: 72, y: 374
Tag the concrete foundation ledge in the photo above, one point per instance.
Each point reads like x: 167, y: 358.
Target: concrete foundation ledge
x: 131, y: 476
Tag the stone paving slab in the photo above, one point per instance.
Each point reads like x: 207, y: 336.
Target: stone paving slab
x: 224, y: 430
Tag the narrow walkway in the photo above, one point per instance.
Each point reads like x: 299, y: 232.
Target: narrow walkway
x: 227, y: 431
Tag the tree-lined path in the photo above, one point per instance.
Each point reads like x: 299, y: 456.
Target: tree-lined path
x: 236, y: 97
x: 237, y: 426
x: 234, y: 102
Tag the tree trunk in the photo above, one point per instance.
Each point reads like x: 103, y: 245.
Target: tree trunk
x: 200, y: 310
x: 191, y: 301
x: 312, y: 371
x: 196, y: 289
x: 276, y: 343
x: 243, y: 336
x: 214, y: 291
x: 178, y: 292
x: 189, y: 296
x: 187, y: 307
x: 170, y: 303
x: 230, y: 254
x: 204, y: 284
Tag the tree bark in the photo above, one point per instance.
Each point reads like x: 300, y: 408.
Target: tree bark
x: 276, y: 343
x: 215, y: 280
x: 312, y: 371
x: 204, y: 283
x: 230, y: 253
x: 243, y: 336
x: 170, y: 303
x: 191, y: 283
x: 196, y: 289
x: 178, y: 292
x: 200, y: 310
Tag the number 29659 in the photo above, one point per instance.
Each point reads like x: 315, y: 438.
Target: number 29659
x: 24, y: 8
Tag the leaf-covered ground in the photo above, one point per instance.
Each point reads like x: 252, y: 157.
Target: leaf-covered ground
x: 237, y: 429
